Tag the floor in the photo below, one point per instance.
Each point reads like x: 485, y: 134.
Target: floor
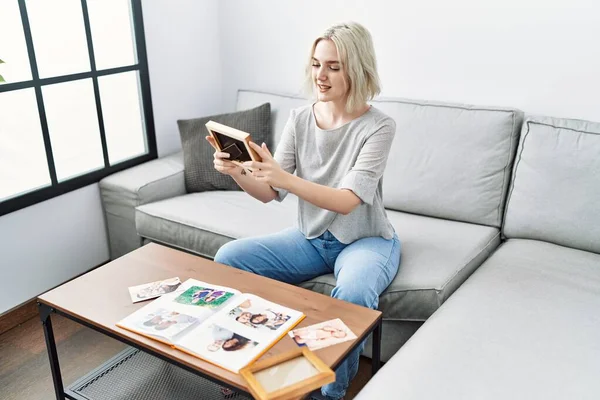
x: 25, y: 371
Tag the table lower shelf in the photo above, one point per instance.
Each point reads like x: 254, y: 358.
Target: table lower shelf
x: 135, y: 375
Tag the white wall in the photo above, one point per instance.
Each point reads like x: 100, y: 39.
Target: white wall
x: 541, y: 56
x: 182, y: 39
x: 46, y: 244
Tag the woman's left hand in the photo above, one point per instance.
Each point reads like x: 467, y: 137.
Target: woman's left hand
x: 268, y: 170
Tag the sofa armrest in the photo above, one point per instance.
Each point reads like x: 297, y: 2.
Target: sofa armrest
x: 123, y: 191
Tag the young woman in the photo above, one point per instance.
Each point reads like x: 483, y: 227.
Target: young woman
x: 338, y: 146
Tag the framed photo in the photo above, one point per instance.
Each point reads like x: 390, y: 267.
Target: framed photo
x: 287, y: 376
x: 232, y: 141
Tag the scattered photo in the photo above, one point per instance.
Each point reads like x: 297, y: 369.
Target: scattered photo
x: 204, y: 297
x: 258, y: 316
x: 166, y: 323
x: 322, y: 335
x: 153, y: 290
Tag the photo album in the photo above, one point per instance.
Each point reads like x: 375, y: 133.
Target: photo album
x: 215, y: 323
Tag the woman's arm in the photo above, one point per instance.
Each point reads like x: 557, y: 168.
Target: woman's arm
x: 341, y: 201
x: 259, y: 190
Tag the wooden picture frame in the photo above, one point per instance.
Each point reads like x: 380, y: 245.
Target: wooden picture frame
x: 232, y: 141
x: 271, y: 379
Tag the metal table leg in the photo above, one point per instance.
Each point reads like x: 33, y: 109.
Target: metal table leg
x: 45, y: 312
x: 376, y: 356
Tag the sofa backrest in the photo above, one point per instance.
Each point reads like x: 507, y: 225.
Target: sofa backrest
x: 281, y: 105
x: 447, y: 160
x: 450, y: 161
x: 554, y: 194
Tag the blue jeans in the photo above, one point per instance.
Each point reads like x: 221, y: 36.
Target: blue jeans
x: 363, y: 269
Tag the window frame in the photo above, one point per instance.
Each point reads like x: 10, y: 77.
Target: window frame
x: 59, y: 188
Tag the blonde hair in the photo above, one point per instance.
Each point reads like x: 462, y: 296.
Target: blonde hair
x: 357, y: 56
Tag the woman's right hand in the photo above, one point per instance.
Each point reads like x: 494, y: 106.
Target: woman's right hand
x: 221, y: 162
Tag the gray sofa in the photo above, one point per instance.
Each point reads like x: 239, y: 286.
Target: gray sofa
x: 462, y: 183
x: 526, y: 324
x: 444, y: 188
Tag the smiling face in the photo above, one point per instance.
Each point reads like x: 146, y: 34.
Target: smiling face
x: 244, y: 317
x: 328, y: 75
x: 258, y: 319
x: 231, y: 343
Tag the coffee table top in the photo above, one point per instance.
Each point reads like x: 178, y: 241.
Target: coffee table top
x: 101, y: 299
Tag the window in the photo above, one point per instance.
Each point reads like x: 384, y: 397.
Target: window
x: 75, y: 105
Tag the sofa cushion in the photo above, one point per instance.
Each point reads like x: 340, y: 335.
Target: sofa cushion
x: 450, y: 160
x: 199, y: 172
x: 458, y: 153
x: 555, y: 191
x: 203, y: 222
x: 524, y: 326
x: 436, y: 257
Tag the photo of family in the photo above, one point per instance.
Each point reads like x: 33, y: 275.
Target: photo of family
x: 154, y: 289
x: 165, y: 323
x: 322, y: 335
x: 255, y: 316
x: 205, y: 297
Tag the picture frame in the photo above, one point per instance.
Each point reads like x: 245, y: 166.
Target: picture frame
x: 233, y: 141
x: 289, y: 375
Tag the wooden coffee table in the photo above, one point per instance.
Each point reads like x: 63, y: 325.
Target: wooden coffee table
x: 100, y: 298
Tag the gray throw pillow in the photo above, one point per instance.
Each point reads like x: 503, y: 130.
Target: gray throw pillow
x: 200, y: 174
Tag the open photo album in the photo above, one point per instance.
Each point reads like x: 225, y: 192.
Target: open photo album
x: 215, y: 323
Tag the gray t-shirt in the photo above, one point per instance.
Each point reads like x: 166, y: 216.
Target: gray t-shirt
x: 353, y: 157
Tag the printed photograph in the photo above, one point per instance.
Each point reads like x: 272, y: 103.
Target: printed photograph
x: 204, y: 297
x: 165, y: 323
x: 322, y: 335
x: 257, y: 316
x: 227, y: 341
x: 154, y: 289
x: 222, y: 346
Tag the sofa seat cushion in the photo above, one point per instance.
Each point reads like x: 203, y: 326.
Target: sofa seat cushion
x: 203, y: 222
x: 524, y: 326
x: 437, y: 256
